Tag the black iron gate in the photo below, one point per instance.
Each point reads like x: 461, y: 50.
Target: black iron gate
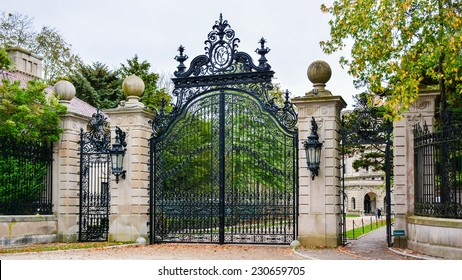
x: 365, y: 128
x: 224, y: 160
x: 95, y: 168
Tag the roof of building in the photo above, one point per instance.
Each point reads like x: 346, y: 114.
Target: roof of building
x: 76, y: 105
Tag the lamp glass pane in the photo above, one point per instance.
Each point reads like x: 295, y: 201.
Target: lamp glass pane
x: 117, y: 162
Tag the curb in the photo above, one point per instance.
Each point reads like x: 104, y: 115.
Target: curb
x: 411, y: 255
x: 303, y: 256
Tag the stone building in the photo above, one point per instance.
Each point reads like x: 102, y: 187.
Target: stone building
x: 365, y: 190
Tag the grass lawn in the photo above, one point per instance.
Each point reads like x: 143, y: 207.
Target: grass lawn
x: 360, y: 230
x: 352, y: 216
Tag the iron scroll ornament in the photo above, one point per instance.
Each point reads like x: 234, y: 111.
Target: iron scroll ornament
x: 98, y: 137
x: 365, y: 125
x: 222, y: 67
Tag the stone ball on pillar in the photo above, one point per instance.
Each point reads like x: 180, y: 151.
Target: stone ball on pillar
x: 319, y: 73
x: 65, y: 91
x: 133, y: 87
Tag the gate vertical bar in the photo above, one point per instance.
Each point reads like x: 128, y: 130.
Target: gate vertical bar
x: 344, y: 225
x: 221, y: 238
x: 81, y: 185
x: 388, y: 190
x: 152, y: 202
x: 295, y: 186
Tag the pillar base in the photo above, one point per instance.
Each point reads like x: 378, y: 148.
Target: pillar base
x: 321, y: 241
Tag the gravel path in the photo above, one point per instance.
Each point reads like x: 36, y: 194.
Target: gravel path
x: 371, y: 246
x: 166, y: 252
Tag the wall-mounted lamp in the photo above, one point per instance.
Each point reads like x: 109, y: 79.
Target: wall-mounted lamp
x: 117, y: 154
x: 313, y: 149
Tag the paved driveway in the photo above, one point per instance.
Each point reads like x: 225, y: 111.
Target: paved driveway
x: 372, y: 246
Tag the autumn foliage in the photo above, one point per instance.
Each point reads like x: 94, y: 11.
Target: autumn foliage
x: 399, y: 46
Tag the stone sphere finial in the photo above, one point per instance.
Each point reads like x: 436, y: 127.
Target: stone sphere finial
x: 133, y: 86
x: 319, y: 73
x: 65, y: 91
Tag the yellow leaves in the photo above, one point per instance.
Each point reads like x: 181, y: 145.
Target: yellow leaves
x: 325, y: 9
x: 405, y: 5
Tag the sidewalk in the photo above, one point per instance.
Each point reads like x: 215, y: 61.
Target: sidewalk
x: 372, y: 246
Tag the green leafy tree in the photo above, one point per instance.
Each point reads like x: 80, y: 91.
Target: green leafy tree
x: 17, y: 30
x: 26, y: 113
x: 97, y: 85
x: 398, y: 46
x: 153, y: 95
x: 5, y: 60
x: 277, y: 94
x: 367, y: 156
x: 59, y: 59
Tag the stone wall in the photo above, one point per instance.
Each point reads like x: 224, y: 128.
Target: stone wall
x: 21, y: 230
x: 435, y: 236
x: 423, y: 110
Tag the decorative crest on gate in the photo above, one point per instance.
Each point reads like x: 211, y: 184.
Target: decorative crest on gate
x: 223, y: 67
x: 221, y: 56
x: 98, y: 137
x: 365, y: 125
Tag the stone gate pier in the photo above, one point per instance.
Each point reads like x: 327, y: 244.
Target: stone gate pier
x: 319, y: 221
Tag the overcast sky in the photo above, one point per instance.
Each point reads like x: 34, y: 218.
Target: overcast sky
x: 112, y: 31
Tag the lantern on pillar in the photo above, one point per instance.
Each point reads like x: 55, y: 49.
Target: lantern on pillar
x: 313, y: 149
x: 117, y: 154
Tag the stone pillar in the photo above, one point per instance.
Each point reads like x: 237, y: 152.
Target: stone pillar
x: 421, y: 111
x: 129, y: 198
x: 66, y: 166
x: 319, y: 199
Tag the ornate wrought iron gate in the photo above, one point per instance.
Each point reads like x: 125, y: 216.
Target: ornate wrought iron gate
x: 363, y: 127
x: 224, y: 161
x: 95, y: 168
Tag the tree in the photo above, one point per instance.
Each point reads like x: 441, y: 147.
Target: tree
x: 276, y: 94
x: 153, y: 95
x: 398, y: 46
x: 165, y: 81
x: 16, y: 30
x: 27, y: 113
x: 366, y: 122
x: 5, y: 60
x: 59, y: 59
x: 97, y: 85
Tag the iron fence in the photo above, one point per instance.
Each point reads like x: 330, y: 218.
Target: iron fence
x: 25, y: 177
x: 438, y: 169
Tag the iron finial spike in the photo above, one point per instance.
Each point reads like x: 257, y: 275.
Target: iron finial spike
x: 262, y: 51
x: 181, y: 59
x: 287, y: 93
x: 287, y: 98
x: 181, y: 49
x: 262, y: 42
